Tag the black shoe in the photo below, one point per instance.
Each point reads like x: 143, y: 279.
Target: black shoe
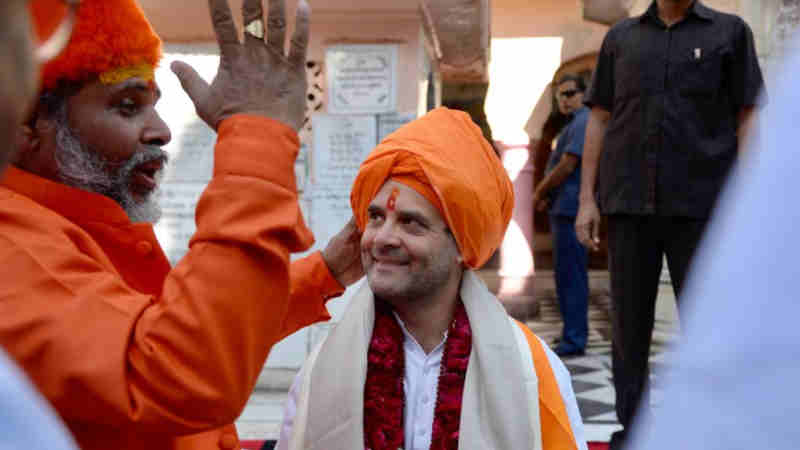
x: 562, y: 352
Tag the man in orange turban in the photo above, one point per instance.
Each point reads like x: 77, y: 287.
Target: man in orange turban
x: 132, y: 353
x: 426, y: 356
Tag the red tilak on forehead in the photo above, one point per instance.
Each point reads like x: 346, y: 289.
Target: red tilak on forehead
x: 391, y: 203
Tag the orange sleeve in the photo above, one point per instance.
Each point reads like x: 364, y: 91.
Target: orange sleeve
x: 556, y: 430
x: 182, y: 362
x: 311, y: 285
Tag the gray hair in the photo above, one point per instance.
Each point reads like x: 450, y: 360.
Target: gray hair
x: 81, y: 168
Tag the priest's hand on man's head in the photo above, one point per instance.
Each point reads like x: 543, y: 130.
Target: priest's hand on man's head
x: 343, y: 255
x: 255, y: 76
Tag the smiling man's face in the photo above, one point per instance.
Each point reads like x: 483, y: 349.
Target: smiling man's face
x: 107, y: 139
x: 407, y: 252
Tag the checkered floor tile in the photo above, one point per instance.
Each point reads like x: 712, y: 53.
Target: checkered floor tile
x: 591, y: 373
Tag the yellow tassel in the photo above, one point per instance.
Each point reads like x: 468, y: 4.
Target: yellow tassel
x: 143, y: 71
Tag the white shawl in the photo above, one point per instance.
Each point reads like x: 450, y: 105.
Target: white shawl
x: 500, y: 408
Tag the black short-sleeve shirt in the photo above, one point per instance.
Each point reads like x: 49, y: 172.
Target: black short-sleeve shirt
x: 674, y: 94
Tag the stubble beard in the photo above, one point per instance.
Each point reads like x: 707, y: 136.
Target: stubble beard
x: 417, y: 286
x: 82, y: 168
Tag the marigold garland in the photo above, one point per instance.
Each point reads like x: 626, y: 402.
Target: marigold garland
x: 384, y: 396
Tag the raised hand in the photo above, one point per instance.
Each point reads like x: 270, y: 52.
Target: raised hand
x: 254, y: 76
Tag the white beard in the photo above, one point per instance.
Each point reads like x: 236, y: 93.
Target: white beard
x: 82, y: 168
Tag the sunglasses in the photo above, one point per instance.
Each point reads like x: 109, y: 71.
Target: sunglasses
x: 50, y: 48
x: 568, y: 93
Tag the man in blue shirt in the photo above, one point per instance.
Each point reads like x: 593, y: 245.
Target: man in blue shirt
x: 559, y: 190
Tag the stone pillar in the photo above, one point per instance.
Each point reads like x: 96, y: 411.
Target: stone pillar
x: 606, y: 12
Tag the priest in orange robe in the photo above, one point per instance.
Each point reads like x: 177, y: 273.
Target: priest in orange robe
x: 133, y: 353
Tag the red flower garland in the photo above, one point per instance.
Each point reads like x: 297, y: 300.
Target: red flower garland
x: 384, y: 397
x: 447, y: 416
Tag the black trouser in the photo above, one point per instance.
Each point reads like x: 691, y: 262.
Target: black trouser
x: 636, y: 246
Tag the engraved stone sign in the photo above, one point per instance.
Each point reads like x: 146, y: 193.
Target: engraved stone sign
x: 362, y: 79
x: 340, y: 145
x: 389, y: 123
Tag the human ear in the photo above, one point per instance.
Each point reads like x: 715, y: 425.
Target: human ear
x: 35, y: 144
x: 26, y: 142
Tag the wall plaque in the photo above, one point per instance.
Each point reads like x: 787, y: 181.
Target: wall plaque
x: 389, y: 123
x: 362, y: 79
x: 341, y: 143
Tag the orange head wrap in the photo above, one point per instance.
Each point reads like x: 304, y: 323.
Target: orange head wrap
x: 112, y: 40
x: 445, y: 158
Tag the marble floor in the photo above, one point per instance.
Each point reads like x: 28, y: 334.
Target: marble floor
x: 591, y: 373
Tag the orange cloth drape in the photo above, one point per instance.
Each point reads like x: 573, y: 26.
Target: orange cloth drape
x: 132, y: 353
x: 556, y: 430
x: 447, y: 152
x: 107, y: 35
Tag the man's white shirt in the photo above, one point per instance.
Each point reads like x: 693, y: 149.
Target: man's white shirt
x: 420, y: 384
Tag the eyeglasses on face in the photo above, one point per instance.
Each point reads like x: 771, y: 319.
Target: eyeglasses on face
x: 50, y: 48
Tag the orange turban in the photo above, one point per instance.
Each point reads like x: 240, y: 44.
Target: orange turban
x: 112, y: 40
x: 444, y: 156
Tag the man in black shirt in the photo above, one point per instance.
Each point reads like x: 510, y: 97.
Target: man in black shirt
x: 672, y: 97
